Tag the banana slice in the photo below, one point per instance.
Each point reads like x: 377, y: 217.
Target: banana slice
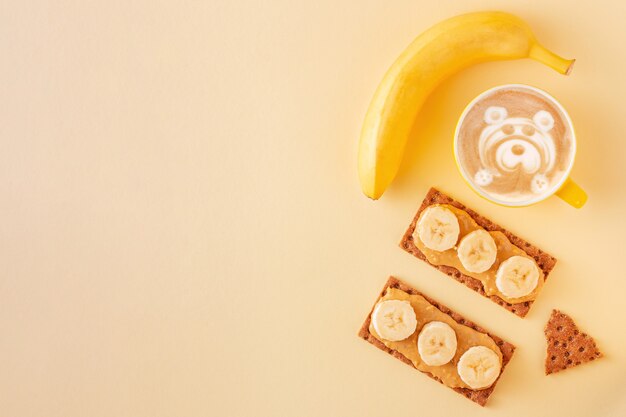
x: 394, y: 320
x: 479, y: 367
x: 477, y: 251
x: 436, y: 343
x: 438, y: 228
x: 517, y: 277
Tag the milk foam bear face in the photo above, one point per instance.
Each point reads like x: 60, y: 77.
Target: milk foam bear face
x: 513, y: 144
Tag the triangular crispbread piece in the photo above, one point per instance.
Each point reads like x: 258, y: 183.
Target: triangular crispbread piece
x: 567, y: 345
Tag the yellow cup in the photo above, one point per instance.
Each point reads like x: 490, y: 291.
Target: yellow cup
x: 566, y: 189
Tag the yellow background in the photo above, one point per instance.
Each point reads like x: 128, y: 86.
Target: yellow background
x: 182, y: 231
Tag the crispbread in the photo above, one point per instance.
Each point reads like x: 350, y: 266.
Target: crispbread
x: 544, y: 260
x: 478, y: 396
x: 567, y: 345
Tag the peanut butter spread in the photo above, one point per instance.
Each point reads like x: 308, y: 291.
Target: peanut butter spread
x: 426, y: 312
x: 488, y: 278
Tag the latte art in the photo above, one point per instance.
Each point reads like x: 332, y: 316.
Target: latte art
x: 514, y: 145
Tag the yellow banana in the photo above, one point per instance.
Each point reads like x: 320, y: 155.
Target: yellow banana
x: 442, y: 50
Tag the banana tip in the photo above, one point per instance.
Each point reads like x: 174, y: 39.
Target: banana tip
x: 569, y: 69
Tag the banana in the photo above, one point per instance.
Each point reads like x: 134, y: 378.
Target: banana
x: 436, y: 343
x: 517, y: 277
x: 438, y: 228
x: 433, y: 56
x: 479, y: 367
x: 477, y: 251
x: 394, y: 320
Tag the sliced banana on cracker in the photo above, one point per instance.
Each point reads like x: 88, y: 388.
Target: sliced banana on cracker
x: 436, y: 343
x: 394, y: 320
x: 438, y: 228
x: 517, y: 277
x: 479, y: 367
x: 477, y: 251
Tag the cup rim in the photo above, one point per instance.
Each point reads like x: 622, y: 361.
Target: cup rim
x: 548, y: 97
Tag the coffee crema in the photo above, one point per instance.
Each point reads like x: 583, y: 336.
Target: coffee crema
x: 515, y: 145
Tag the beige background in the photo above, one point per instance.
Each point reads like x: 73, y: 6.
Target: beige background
x: 183, y: 232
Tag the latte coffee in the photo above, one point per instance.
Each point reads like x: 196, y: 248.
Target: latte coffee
x: 515, y: 144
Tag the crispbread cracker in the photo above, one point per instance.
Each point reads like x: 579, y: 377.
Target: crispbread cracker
x: 567, y: 345
x: 478, y: 396
x: 544, y: 260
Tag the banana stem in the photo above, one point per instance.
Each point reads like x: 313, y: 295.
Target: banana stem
x: 543, y: 55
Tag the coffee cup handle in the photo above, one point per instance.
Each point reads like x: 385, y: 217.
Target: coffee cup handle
x: 572, y: 194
